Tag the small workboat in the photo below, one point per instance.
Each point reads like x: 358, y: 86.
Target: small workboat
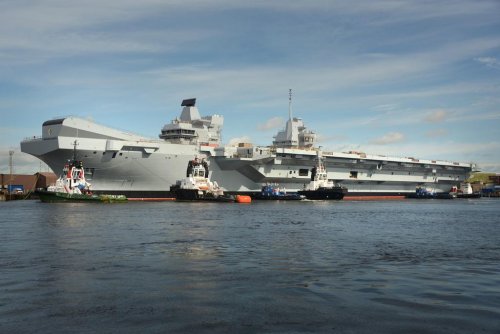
x: 275, y: 192
x: 425, y: 193
x: 197, y: 186
x: 320, y: 188
x: 71, y: 186
x: 466, y: 191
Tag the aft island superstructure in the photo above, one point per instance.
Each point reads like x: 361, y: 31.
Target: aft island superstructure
x: 135, y: 166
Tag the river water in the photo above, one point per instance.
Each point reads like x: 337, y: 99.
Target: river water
x: 414, y: 266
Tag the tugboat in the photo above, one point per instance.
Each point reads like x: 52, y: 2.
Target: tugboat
x: 72, y: 186
x: 466, y: 191
x: 196, y: 186
x: 320, y: 187
x: 274, y: 192
x: 424, y: 193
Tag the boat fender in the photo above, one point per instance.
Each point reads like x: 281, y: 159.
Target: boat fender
x: 243, y: 199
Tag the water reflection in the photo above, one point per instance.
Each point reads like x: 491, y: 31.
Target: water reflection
x: 265, y: 267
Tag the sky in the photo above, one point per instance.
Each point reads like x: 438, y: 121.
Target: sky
x: 410, y: 78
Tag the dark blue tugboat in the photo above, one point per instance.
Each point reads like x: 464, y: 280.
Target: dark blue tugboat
x: 423, y: 193
x: 274, y: 192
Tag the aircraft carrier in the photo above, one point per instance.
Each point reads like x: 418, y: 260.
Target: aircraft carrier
x: 139, y: 167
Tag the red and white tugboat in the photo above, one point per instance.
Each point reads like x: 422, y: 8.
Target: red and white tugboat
x: 320, y: 187
x: 72, y: 186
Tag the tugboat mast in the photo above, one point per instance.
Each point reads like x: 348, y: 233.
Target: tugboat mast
x: 75, y: 143
x: 290, y: 103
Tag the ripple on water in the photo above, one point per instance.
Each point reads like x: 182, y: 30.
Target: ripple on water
x: 414, y: 266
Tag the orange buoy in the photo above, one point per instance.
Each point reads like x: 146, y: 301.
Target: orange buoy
x: 243, y: 199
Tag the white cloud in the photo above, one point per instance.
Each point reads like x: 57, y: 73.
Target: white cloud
x: 389, y: 138
x: 436, y: 116
x: 491, y: 62
x: 436, y: 133
x: 272, y: 123
x: 386, y: 108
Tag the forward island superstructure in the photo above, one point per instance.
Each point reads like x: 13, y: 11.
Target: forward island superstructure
x: 124, y: 163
